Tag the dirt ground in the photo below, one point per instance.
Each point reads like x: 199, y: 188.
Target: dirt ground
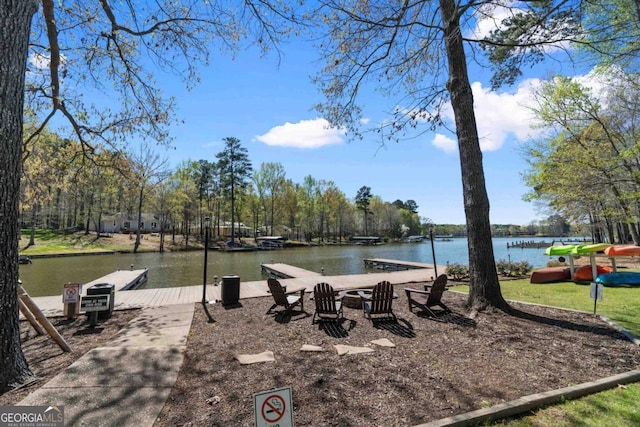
x: 439, y: 367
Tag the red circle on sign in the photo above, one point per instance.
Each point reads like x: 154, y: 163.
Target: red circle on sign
x: 71, y: 291
x: 273, y: 408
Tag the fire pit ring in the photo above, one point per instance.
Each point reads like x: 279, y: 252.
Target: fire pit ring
x: 352, y: 299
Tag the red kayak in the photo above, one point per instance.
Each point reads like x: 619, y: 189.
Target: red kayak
x: 626, y: 250
x: 585, y: 273
x: 551, y: 274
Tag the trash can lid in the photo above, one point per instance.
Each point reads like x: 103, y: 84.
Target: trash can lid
x: 232, y: 276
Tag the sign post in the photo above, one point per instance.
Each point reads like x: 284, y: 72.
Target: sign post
x: 71, y: 299
x: 273, y: 408
x: 595, y: 293
x: 92, y: 304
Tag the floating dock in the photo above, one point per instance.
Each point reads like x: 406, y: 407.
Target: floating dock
x: 123, y: 280
x: 394, y: 265
x: 285, y: 271
x: 529, y: 245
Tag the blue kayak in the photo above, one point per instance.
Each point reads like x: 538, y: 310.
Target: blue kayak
x: 625, y: 278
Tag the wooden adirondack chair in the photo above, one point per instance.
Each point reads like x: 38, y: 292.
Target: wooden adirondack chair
x: 328, y: 304
x: 429, y: 297
x: 288, y: 300
x: 379, y: 302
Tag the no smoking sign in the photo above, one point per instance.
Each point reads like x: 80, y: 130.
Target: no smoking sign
x: 272, y: 408
x: 71, y: 293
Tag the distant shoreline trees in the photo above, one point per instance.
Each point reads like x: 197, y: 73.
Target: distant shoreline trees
x: 77, y: 194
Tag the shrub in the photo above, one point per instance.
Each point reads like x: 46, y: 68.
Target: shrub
x: 457, y: 271
x: 509, y: 269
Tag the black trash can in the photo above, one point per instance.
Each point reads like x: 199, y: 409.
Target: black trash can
x: 104, y: 289
x: 230, y: 291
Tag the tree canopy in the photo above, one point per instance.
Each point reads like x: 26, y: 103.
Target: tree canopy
x: 587, y: 163
x: 93, y: 64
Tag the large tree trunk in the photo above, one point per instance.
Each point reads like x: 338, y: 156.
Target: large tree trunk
x: 32, y: 234
x: 484, y: 289
x: 15, y: 24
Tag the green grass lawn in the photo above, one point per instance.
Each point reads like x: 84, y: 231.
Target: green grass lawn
x: 50, y: 242
x: 618, y: 407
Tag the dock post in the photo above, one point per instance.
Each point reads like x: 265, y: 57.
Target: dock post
x: 433, y: 250
x: 206, y: 251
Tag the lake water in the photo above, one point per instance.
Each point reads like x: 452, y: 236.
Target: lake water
x: 46, y: 276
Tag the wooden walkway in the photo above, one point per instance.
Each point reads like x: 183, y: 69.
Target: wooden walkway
x: 141, y: 298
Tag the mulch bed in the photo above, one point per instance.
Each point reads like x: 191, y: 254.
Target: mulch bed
x: 439, y: 368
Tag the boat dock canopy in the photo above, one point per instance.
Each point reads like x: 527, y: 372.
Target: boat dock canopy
x: 270, y: 241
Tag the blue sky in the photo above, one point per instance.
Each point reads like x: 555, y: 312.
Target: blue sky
x: 268, y: 105
x: 270, y: 109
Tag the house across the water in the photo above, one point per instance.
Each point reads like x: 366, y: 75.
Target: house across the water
x: 126, y: 223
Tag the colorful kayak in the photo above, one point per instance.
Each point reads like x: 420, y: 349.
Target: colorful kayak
x: 551, y: 274
x: 585, y: 273
x: 559, y: 250
x: 589, y: 249
x: 624, y: 278
x: 627, y: 250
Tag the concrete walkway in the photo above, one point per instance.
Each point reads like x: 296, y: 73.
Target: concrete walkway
x: 127, y: 381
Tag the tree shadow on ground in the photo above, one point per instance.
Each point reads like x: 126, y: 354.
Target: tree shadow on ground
x: 396, y: 326
x: 565, y: 324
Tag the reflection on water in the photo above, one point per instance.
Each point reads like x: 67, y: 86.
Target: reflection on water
x: 46, y: 276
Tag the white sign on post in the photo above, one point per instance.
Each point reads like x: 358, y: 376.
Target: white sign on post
x: 273, y: 408
x: 596, y: 291
x: 596, y: 294
x: 71, y: 293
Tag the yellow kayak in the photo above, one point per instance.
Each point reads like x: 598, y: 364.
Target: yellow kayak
x: 589, y: 249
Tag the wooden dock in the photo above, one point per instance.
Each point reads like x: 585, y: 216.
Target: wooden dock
x: 142, y: 298
x: 122, y: 279
x: 394, y: 265
x: 285, y: 271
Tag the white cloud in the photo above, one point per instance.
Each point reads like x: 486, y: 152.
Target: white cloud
x: 39, y: 61
x: 445, y: 143
x: 490, y: 17
x: 304, y: 134
x: 504, y: 116
x: 601, y: 81
x: 501, y: 115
